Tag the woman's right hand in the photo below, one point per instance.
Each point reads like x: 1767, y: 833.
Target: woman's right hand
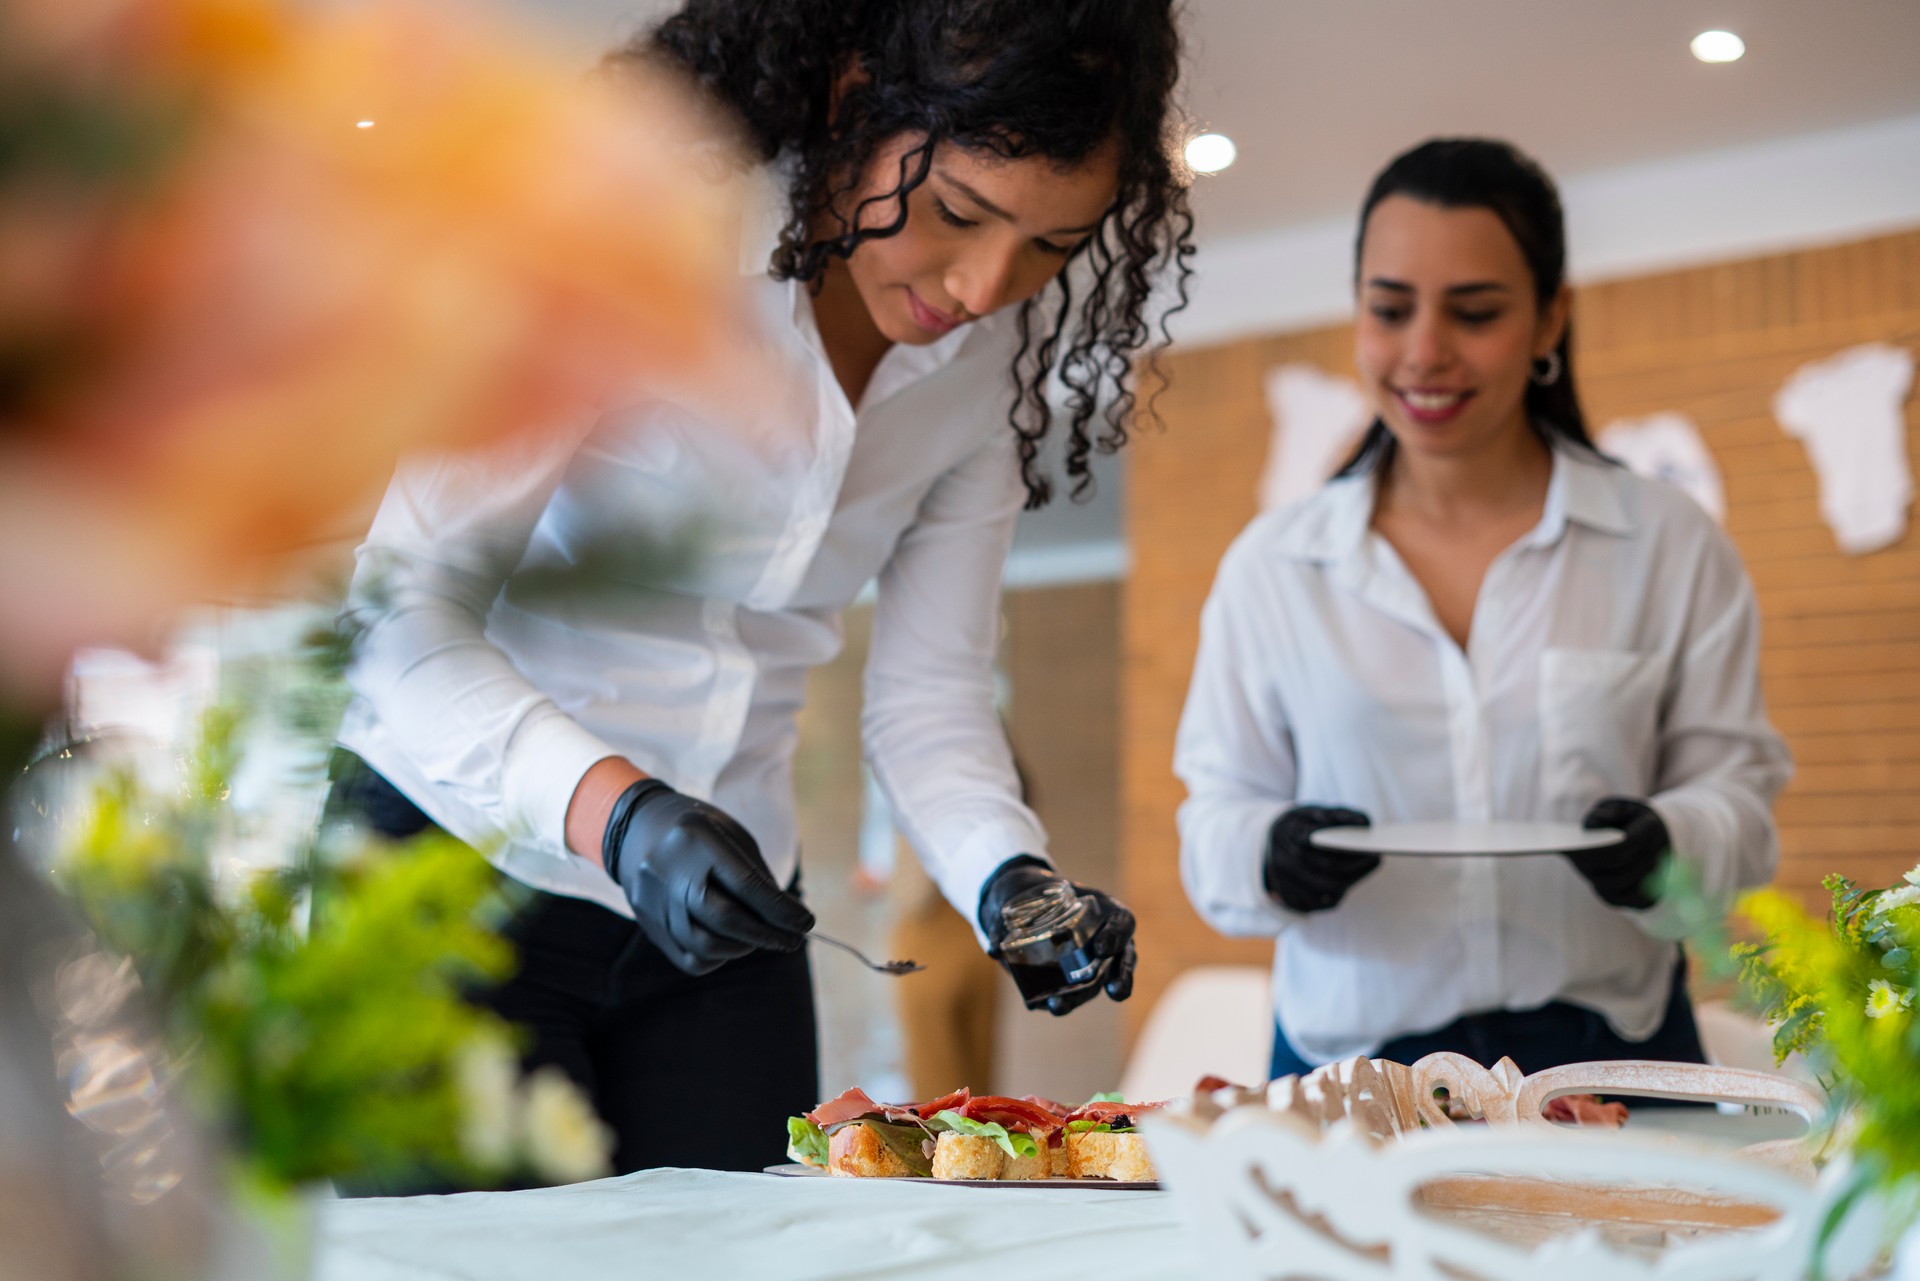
x: 1302, y: 875
x: 699, y: 889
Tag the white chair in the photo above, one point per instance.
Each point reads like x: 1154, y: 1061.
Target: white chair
x: 1212, y: 1019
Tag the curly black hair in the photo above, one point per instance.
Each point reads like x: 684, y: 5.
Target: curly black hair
x: 1059, y: 79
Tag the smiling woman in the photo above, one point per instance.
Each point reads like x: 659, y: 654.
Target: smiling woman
x: 1479, y: 619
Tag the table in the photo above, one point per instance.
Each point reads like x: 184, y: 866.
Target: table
x: 711, y: 1224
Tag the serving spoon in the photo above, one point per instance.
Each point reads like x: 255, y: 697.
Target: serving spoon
x: 890, y: 967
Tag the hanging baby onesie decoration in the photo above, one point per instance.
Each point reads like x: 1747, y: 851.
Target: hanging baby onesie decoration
x: 1848, y: 411
x: 1317, y: 416
x: 1668, y: 447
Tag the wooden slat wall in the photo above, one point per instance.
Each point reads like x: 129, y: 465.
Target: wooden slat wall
x: 1841, y: 638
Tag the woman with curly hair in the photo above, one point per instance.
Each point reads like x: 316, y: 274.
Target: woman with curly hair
x: 975, y: 200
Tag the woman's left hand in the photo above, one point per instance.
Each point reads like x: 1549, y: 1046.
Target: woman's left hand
x: 1619, y: 873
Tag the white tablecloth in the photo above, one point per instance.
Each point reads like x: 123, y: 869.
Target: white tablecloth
x: 763, y: 1227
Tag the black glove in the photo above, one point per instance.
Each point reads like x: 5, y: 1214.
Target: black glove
x: 699, y: 888
x: 1100, y: 955
x: 1619, y: 873
x: 1304, y: 876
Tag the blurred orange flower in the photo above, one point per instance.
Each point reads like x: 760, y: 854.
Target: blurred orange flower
x: 257, y: 248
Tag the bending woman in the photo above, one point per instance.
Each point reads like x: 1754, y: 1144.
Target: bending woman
x: 970, y: 198
x: 1480, y: 617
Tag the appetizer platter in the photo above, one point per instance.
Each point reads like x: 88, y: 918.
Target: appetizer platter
x: 974, y: 1140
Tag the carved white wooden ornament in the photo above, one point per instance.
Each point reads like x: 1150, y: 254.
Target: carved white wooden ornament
x: 1359, y: 1172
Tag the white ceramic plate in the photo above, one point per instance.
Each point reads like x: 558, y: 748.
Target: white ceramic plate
x: 796, y: 1170
x: 1450, y: 839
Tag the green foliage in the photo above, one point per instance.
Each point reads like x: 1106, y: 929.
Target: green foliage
x: 1841, y: 992
x: 314, y: 1011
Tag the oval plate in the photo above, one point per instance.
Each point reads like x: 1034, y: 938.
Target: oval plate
x: 796, y: 1170
x: 1449, y: 838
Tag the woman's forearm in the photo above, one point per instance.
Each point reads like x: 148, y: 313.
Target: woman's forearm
x: 592, y: 804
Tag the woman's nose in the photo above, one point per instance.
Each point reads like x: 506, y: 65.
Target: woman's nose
x: 1428, y: 346
x: 985, y: 280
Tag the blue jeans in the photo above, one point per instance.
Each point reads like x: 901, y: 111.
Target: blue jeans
x: 1555, y: 1033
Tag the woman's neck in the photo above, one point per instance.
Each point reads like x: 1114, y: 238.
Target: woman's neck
x: 853, y: 343
x: 1511, y: 473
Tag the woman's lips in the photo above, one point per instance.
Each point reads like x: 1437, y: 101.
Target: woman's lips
x: 1428, y: 406
x: 934, y: 322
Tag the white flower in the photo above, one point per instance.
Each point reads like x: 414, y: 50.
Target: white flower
x: 565, y: 1141
x: 484, y: 1076
x: 1913, y: 877
x: 1887, y: 900
x: 1883, y: 998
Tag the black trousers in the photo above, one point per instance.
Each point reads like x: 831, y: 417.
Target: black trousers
x: 686, y: 1071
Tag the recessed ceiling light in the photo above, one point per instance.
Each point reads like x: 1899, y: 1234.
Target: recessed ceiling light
x: 1718, y: 46
x: 364, y: 124
x: 1211, y: 152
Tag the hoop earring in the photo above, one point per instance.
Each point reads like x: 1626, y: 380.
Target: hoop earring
x: 1548, y: 376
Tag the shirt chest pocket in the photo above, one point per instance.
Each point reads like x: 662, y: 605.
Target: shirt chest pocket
x: 1599, y: 726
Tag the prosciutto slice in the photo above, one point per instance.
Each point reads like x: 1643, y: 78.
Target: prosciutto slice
x: 1107, y: 1113
x: 854, y: 1105
x: 1015, y: 1114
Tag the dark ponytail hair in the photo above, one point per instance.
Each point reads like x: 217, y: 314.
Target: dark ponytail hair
x: 1485, y: 173
x: 1059, y: 79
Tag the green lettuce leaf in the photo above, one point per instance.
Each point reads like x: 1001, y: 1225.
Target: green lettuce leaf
x: 908, y: 1142
x: 1012, y: 1143
x: 806, y: 1142
x: 1110, y: 1096
x: 1087, y: 1127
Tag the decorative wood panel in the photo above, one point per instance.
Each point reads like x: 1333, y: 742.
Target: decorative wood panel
x: 1841, y: 634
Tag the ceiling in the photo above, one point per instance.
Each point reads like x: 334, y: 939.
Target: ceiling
x: 1318, y: 94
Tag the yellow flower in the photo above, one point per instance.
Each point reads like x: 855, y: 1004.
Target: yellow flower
x: 1883, y: 998
x: 565, y: 1141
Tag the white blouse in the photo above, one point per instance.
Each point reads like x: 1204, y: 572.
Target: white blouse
x: 486, y: 700
x: 1613, y: 651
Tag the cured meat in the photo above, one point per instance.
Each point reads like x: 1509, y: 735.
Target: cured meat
x: 1585, y: 1109
x: 847, y: 1107
x: 1058, y: 1109
x: 1015, y: 1114
x: 1106, y: 1113
x: 855, y: 1104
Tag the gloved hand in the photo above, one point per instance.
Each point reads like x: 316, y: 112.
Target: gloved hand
x: 1100, y: 954
x: 1619, y: 873
x: 1304, y: 876
x: 699, y: 888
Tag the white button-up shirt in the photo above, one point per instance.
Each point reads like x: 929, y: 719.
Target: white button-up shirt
x: 485, y: 701
x: 1613, y: 651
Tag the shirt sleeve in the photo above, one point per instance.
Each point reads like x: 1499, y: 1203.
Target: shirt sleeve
x: 449, y: 532
x: 929, y: 726
x: 1234, y: 752
x: 1720, y: 762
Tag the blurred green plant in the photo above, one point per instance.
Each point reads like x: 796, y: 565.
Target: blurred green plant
x: 1838, y: 992
x: 314, y: 1011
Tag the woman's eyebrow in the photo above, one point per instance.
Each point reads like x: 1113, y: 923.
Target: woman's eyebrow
x: 1453, y: 291
x: 1002, y: 214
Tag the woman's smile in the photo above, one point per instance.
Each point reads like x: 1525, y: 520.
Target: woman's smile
x: 1427, y: 405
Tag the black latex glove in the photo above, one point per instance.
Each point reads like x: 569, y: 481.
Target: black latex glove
x: 1299, y: 873
x: 1619, y: 873
x: 1110, y: 946
x: 699, y: 888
